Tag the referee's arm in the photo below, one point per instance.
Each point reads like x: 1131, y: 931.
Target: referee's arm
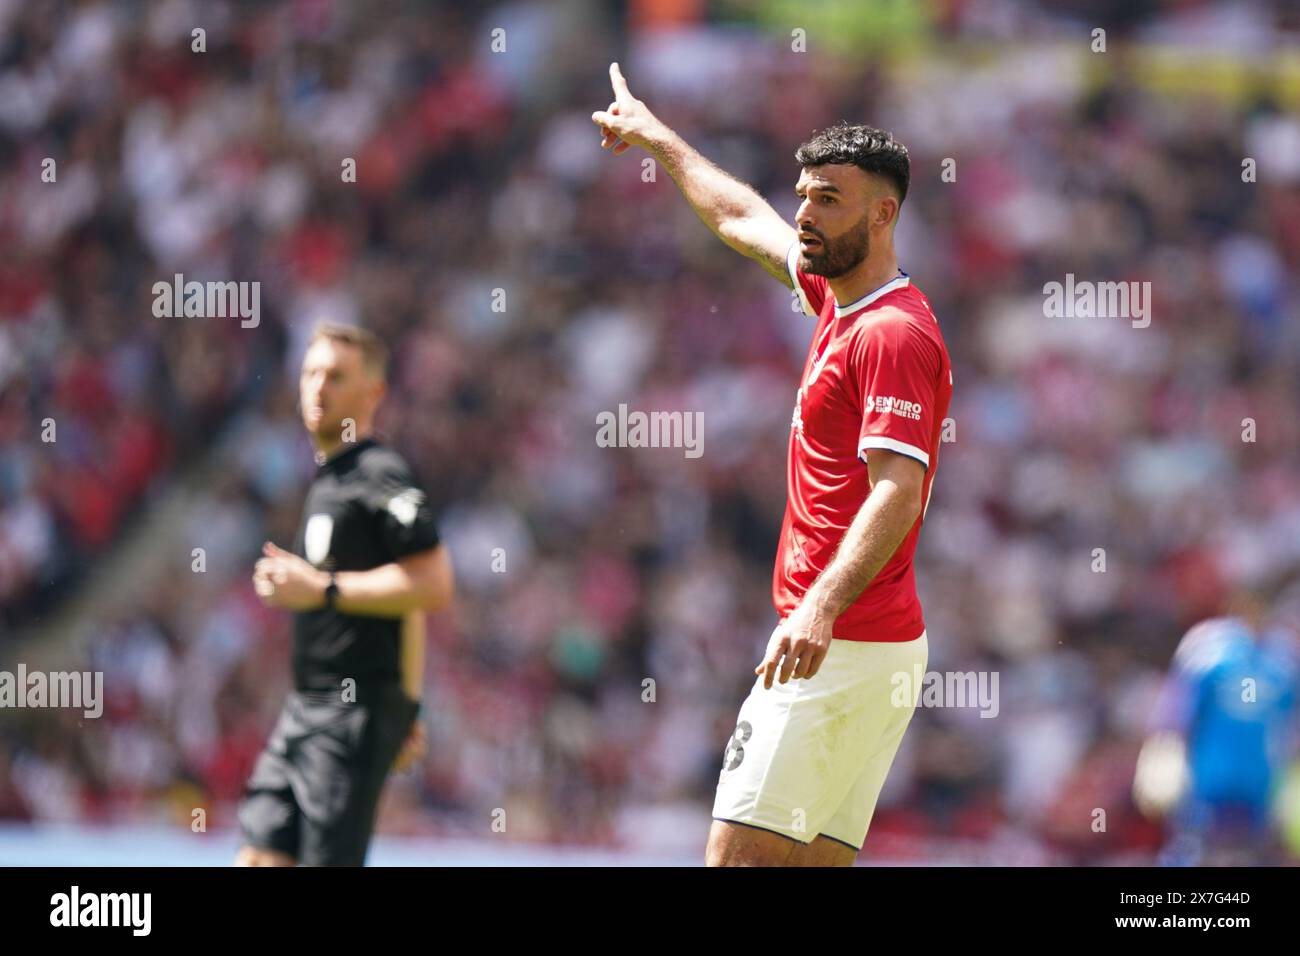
x: 418, y: 576
x: 412, y: 651
x: 421, y: 581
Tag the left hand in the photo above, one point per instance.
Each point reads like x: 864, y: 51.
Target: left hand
x: 282, y: 579
x: 413, y: 748
x: 798, y: 645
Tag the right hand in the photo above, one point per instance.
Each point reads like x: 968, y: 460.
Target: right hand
x: 627, y: 122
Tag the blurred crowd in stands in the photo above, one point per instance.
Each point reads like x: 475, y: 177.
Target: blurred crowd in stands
x: 526, y: 281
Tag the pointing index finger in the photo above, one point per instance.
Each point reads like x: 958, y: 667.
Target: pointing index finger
x: 621, y: 92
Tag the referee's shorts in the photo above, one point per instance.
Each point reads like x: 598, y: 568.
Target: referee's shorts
x: 315, y: 788
x: 810, y: 756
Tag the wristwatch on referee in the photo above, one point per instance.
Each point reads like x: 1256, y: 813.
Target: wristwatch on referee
x: 331, y: 593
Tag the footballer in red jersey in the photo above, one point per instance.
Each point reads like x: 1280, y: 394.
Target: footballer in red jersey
x: 815, y: 738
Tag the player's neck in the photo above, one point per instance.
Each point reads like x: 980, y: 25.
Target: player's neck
x: 327, y: 448
x: 871, y: 273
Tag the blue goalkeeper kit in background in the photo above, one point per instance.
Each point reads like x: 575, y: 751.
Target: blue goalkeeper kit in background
x: 1237, y: 698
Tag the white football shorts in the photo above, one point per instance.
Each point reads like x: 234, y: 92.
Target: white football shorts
x: 809, y: 757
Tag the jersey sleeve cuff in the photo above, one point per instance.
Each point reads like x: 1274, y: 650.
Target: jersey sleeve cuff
x: 423, y: 540
x: 791, y: 255
x: 892, y: 444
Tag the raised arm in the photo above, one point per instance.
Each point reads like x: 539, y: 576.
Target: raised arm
x: 737, y: 214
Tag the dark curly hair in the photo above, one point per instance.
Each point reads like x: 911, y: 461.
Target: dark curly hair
x: 870, y: 149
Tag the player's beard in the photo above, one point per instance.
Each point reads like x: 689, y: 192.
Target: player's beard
x: 841, y: 255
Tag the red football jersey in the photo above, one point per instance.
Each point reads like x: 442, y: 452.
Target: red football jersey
x: 877, y: 376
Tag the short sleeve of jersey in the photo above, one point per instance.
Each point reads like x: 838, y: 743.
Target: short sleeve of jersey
x: 896, y: 369
x: 811, y: 289
x: 407, y: 523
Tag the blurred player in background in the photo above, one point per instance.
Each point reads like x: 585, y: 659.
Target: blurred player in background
x: 805, y: 766
x: 1222, y: 736
x: 366, y: 565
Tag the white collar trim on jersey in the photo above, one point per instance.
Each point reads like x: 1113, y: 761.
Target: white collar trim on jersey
x: 898, y: 282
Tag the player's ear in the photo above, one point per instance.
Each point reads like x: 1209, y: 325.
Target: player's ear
x: 886, y: 210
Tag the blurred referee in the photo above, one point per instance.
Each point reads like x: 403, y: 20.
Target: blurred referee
x: 366, y: 565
